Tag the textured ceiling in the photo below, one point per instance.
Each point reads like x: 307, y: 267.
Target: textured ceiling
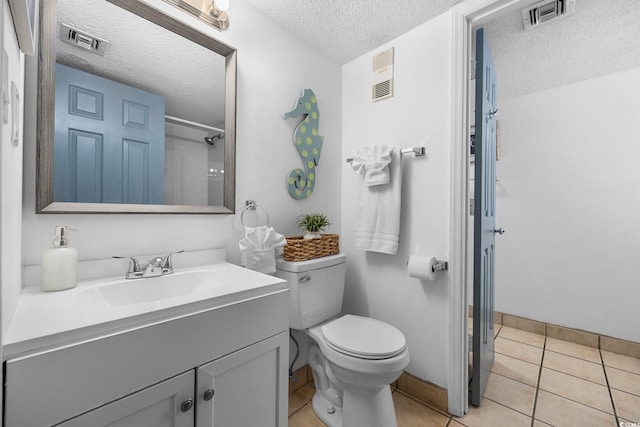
x: 602, y: 37
x: 346, y: 29
x: 148, y: 57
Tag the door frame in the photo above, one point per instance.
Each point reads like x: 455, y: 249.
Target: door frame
x: 465, y: 16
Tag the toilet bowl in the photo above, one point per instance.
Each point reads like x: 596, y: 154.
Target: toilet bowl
x: 353, y: 358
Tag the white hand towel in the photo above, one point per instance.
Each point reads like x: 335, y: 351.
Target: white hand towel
x: 258, y: 248
x: 373, y: 164
x: 378, y: 228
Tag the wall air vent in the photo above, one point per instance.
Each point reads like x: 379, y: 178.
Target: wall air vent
x: 546, y: 11
x: 78, y: 38
x: 382, y: 86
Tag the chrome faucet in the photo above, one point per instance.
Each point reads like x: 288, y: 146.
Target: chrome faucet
x: 158, y: 266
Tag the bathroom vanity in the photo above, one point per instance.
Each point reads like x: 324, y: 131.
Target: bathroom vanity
x: 214, y: 352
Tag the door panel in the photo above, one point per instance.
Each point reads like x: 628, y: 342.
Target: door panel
x: 156, y: 406
x: 127, y: 166
x: 245, y: 388
x: 484, y: 220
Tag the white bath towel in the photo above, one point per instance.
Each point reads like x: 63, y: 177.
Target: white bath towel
x: 378, y: 227
x: 373, y: 163
x: 258, y: 248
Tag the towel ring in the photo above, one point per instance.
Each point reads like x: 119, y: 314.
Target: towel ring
x: 251, y: 205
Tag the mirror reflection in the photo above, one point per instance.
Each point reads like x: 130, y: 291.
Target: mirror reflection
x: 139, y: 111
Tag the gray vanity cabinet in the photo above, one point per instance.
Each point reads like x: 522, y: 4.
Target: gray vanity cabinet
x: 242, y: 389
x: 220, y: 367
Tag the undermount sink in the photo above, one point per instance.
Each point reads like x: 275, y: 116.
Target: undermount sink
x: 137, y: 291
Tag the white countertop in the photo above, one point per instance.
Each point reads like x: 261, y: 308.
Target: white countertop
x: 45, y: 320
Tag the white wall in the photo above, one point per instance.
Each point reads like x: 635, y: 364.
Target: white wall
x: 273, y: 68
x: 11, y: 179
x: 568, y: 198
x: 419, y: 113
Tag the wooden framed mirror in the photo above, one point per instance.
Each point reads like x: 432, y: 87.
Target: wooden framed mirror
x: 95, y: 168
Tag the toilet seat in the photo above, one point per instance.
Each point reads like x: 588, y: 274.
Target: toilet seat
x: 363, y: 337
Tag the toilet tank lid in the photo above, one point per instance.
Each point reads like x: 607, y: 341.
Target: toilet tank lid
x: 312, y: 264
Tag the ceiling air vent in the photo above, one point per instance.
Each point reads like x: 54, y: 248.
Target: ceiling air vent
x: 75, y: 37
x: 382, y: 86
x: 546, y: 11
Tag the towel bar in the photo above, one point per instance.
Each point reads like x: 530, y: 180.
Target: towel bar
x: 418, y: 151
x: 251, y: 205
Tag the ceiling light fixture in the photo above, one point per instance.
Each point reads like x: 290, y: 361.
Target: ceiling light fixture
x: 218, y: 13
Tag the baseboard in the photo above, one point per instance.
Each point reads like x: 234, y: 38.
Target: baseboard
x: 578, y: 336
x: 424, y: 391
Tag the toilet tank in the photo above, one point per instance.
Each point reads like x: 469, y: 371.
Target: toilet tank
x: 316, y: 288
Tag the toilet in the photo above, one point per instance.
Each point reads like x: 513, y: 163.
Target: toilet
x: 353, y: 358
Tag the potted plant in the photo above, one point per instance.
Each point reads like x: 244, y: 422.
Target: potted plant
x: 314, y: 224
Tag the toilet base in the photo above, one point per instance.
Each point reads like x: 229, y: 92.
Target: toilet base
x: 321, y: 407
x: 362, y: 407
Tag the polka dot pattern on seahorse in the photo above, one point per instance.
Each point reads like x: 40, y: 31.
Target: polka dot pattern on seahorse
x: 310, y: 164
x: 314, y: 132
x: 308, y: 193
x: 311, y: 177
x: 313, y: 99
x: 307, y: 106
x: 309, y: 140
x: 305, y: 153
x: 315, y: 151
x: 303, y: 129
x: 314, y: 115
x: 298, y: 140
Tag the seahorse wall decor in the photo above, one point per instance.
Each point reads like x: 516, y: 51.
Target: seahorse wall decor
x: 308, y: 142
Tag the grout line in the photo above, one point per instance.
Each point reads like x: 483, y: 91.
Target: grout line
x: 606, y: 378
x: 535, y: 400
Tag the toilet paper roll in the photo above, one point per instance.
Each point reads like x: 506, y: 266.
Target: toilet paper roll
x: 421, y: 267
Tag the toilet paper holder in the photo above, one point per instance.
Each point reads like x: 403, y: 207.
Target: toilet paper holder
x: 440, y: 266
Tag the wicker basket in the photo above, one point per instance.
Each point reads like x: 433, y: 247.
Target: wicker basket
x: 300, y: 249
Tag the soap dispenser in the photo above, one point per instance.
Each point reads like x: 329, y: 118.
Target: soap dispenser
x: 60, y: 263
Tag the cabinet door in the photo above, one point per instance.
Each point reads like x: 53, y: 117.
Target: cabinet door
x: 161, y: 405
x: 247, y: 388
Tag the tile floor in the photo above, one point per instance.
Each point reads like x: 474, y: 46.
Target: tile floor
x: 536, y: 381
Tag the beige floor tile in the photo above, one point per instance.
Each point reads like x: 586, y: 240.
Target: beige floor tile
x: 516, y: 369
x: 454, y: 423
x: 522, y: 336
x: 575, y: 366
x: 560, y: 412
x: 576, y: 389
x: 519, y: 350
x: 538, y: 423
x: 623, y: 380
x: 300, y: 397
x: 627, y: 405
x: 620, y: 361
x: 305, y: 418
x: 490, y: 413
x: 511, y: 393
x: 410, y: 413
x: 572, y: 349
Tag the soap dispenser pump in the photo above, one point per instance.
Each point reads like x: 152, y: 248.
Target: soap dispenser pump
x: 60, y: 263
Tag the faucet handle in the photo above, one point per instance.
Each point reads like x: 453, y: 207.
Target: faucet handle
x: 166, y: 261
x: 134, y: 265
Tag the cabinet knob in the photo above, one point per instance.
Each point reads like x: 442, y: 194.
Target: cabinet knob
x: 186, y: 405
x: 208, y: 395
